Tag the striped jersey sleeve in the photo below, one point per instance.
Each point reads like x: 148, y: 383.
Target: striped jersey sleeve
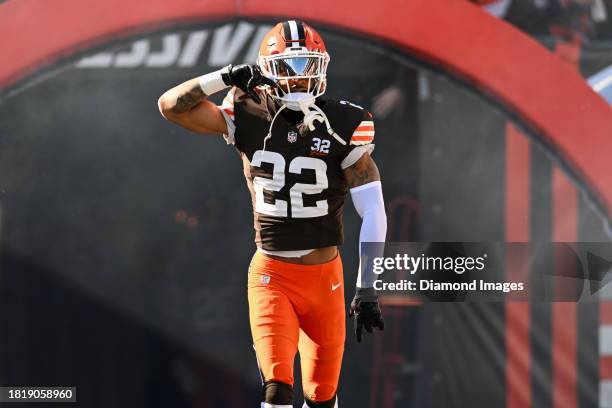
x: 364, y: 132
x: 361, y: 141
x: 227, y: 110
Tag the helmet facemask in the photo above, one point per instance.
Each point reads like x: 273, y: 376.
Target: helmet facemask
x: 294, y: 56
x: 296, y: 66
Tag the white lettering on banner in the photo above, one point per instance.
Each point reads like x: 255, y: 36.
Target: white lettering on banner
x: 193, y: 47
x: 253, y: 52
x: 135, y: 57
x: 171, y: 47
x: 100, y: 60
x: 598, y: 11
x: 225, y: 47
x: 185, y: 50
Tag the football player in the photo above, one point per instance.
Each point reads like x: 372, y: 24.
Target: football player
x: 301, y: 155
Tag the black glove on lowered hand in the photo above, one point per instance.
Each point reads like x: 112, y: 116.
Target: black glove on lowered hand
x: 246, y: 77
x: 365, y: 312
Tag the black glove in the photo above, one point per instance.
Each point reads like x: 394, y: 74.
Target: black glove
x: 246, y: 77
x: 365, y: 312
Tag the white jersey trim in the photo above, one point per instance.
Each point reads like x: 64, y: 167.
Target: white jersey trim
x: 287, y: 254
x: 227, y: 110
x: 231, y: 128
x: 356, y: 154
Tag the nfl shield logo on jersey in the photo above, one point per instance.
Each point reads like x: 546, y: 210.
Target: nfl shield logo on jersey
x: 292, y: 136
x: 265, y: 279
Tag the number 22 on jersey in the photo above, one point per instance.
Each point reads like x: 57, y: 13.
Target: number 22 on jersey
x: 278, y: 207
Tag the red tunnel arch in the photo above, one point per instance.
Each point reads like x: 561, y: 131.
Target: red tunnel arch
x: 552, y: 100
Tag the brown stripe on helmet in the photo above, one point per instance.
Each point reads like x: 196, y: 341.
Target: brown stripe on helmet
x: 287, y: 33
x: 301, y: 32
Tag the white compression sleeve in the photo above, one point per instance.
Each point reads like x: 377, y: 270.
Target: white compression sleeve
x: 213, y: 82
x: 369, y: 203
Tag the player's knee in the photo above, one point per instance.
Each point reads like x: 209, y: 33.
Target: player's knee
x: 330, y: 403
x: 320, y: 394
x: 277, y: 393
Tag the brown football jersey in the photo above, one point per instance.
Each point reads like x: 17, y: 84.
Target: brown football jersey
x: 295, y: 176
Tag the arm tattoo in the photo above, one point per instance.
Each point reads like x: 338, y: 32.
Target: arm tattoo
x: 189, y: 99
x: 362, y: 172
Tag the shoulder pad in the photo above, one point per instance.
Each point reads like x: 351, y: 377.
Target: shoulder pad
x: 344, y: 117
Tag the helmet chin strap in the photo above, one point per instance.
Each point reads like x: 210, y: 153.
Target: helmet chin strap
x: 305, y: 102
x: 316, y: 114
x: 298, y: 101
x: 269, y: 135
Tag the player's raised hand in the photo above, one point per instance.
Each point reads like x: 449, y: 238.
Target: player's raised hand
x: 365, y: 312
x: 247, y: 77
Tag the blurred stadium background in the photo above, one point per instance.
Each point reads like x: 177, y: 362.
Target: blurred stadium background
x: 125, y: 240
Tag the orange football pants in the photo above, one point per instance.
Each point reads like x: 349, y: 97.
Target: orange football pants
x: 298, y: 308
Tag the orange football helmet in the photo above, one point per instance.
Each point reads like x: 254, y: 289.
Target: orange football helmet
x: 294, y: 55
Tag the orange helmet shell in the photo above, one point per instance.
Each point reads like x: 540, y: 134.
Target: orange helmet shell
x: 290, y: 34
x: 292, y: 51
